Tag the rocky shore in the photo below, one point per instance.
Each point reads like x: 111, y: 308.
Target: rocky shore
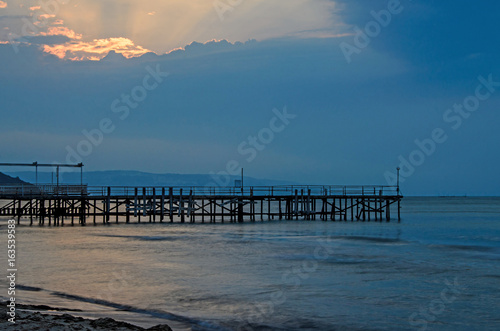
x: 31, y: 317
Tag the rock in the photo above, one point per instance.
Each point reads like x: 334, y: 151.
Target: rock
x: 161, y: 327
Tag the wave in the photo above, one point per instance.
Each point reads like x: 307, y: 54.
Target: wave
x: 372, y: 239
x: 472, y: 248
x: 197, y: 324
x: 29, y: 288
x: 141, y: 238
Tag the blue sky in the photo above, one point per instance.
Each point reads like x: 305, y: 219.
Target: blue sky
x: 418, y: 90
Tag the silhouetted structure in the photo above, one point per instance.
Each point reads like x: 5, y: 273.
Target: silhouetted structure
x: 57, y: 203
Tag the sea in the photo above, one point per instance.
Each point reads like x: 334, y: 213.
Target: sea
x: 437, y: 269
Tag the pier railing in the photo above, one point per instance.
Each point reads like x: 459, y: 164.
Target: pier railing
x: 283, y: 190
x: 28, y: 190
x: 317, y: 190
x: 188, y: 203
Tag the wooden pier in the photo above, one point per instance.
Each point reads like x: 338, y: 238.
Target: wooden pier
x: 80, y: 204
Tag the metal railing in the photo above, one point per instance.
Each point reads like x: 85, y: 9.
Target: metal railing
x: 28, y: 190
x: 79, y: 190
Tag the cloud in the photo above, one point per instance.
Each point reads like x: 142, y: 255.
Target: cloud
x: 46, y: 40
x: 94, y: 31
x: 181, y: 22
x: 96, y: 49
x: 3, y: 4
x: 220, y: 93
x: 46, y: 16
x: 61, y: 31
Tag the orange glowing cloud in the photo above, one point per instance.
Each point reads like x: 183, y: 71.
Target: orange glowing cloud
x: 96, y: 49
x: 46, y: 16
x: 35, y: 8
x: 3, y: 4
x: 61, y: 31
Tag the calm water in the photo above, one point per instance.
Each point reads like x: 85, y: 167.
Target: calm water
x: 439, y: 269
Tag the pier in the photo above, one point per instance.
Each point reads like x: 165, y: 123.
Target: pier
x: 81, y: 204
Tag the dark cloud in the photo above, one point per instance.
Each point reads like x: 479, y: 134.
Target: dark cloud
x: 8, y: 17
x: 353, y: 120
x: 46, y: 40
x: 433, y: 34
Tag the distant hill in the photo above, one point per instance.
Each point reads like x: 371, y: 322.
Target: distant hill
x: 5, y: 179
x: 137, y: 178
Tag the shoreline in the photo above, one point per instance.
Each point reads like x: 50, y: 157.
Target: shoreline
x: 32, y: 317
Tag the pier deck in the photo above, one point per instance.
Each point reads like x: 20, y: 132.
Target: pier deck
x: 81, y: 204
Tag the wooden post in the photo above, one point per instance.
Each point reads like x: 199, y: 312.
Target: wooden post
x: 308, y: 206
x: 171, y: 203
x: 369, y: 209
x: 345, y: 207
x: 269, y: 216
x: 314, y: 208
x: 51, y: 212
x: 364, y: 209
x: 240, y: 210
x: 296, y: 207
x: 56, y: 212
x: 340, y: 209
x: 42, y: 211
x: 181, y: 206
x: 83, y: 208
x: 95, y: 212
x: 31, y: 212
x: 322, y: 214
x: 162, y: 208
x: 154, y: 206
x: 108, y: 204
x: 117, y: 209
x: 388, y: 211
x: 127, y: 210
x: 399, y: 209
x: 262, y: 209
x: 352, y: 209
x: 144, y: 201
x: 202, y: 210
x: 136, y: 201
x: 19, y: 211
x: 222, y: 210
x: 212, y: 210
x: 279, y: 206
x: 72, y: 212
x: 333, y: 210
x: 252, y: 206
x: 302, y: 201
x: 190, y: 207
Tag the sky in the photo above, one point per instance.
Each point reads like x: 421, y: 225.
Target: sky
x: 312, y: 91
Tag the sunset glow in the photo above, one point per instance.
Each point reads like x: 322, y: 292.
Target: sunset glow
x: 250, y: 164
x: 96, y: 49
x: 136, y: 27
x: 61, y: 31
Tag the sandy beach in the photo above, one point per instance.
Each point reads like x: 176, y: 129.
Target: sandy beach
x: 41, y: 317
